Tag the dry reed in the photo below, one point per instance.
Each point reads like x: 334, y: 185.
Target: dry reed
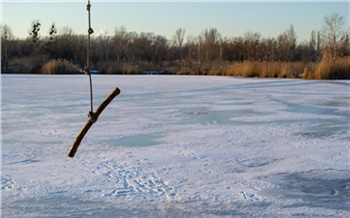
x: 58, y: 67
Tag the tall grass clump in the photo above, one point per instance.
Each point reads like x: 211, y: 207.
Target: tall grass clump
x: 250, y: 69
x: 342, y: 69
x: 266, y: 69
x: 60, y: 66
x: 114, y: 67
x: 244, y: 69
x: 329, y: 68
x: 270, y: 69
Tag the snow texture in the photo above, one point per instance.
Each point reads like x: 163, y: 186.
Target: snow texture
x: 175, y: 146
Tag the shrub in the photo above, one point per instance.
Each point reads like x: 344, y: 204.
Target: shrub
x: 20, y: 65
x: 30, y: 64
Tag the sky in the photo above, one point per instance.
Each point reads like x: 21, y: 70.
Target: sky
x: 230, y: 18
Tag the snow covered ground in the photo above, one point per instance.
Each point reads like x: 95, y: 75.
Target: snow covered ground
x: 176, y: 146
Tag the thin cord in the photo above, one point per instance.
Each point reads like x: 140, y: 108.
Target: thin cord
x: 90, y: 31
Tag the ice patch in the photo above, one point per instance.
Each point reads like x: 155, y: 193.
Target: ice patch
x: 317, y: 188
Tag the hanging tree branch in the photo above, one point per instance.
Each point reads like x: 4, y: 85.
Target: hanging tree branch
x: 91, y: 121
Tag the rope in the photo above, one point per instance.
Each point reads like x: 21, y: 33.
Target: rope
x: 87, y: 71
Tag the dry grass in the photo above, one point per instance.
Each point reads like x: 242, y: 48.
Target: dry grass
x: 58, y: 67
x: 265, y: 69
x: 329, y: 68
x: 113, y: 67
x: 326, y: 68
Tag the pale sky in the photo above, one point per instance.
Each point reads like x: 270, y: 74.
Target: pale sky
x: 231, y: 18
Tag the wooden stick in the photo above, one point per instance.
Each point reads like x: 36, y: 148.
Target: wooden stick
x: 91, y: 121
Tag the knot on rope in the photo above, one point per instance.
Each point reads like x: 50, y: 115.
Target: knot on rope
x: 92, y: 117
x: 86, y: 71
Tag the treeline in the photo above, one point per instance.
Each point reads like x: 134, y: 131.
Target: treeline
x: 325, y: 56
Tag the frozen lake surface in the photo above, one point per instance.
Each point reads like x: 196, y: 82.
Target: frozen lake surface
x: 176, y: 146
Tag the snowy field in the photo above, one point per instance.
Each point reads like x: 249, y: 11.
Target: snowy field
x: 176, y: 146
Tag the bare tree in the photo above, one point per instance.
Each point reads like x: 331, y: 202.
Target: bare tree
x: 191, y: 49
x: 6, y: 37
x: 345, y: 42
x: 121, y: 39
x: 200, y: 44
x: 287, y: 44
x: 66, y: 43
x: 159, y: 50
x: 332, y: 32
x: 291, y: 39
x: 143, y: 47
x: 312, y: 47
x: 105, y: 47
x: 211, y: 43
x: 251, y: 44
x: 66, y: 31
x: 228, y: 49
x: 80, y: 51
x: 178, y: 40
x: 318, y: 46
x: 221, y: 41
x: 304, y: 52
x: 6, y: 32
